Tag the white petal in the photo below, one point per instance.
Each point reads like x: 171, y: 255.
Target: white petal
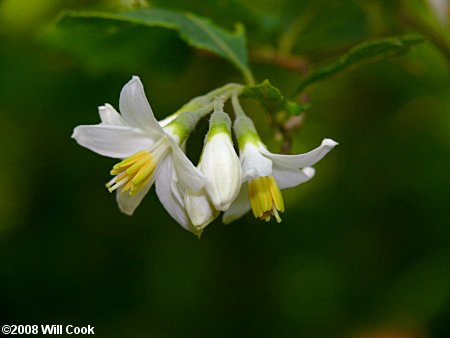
x: 189, y: 176
x: 112, y: 141
x: 110, y: 116
x: 200, y: 209
x: 164, y: 122
x: 302, y: 160
x: 135, y: 108
x: 239, y: 207
x: 291, y: 177
x: 169, y: 195
x: 128, y: 204
x: 254, y: 164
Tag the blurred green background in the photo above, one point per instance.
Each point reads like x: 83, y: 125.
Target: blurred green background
x: 363, y: 249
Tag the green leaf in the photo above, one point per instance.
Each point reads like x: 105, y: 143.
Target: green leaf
x: 272, y: 99
x: 362, y: 54
x: 196, y: 31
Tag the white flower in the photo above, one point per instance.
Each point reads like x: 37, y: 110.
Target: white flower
x: 265, y: 173
x: 150, y: 153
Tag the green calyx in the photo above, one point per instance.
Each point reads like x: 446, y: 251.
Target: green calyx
x: 245, y: 131
x: 220, y: 121
x: 243, y: 126
x: 184, y: 124
x: 218, y: 128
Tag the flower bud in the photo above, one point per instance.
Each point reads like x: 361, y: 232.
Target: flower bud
x: 219, y: 162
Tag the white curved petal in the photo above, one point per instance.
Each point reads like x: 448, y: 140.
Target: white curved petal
x: 200, y: 209
x: 239, y: 207
x: 302, y: 160
x: 291, y: 177
x: 128, y: 204
x: 135, y: 108
x: 110, y: 116
x: 189, y: 176
x: 164, y: 122
x: 112, y: 141
x: 170, y: 196
x: 254, y: 164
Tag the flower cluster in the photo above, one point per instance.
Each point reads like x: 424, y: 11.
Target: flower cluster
x: 152, y: 152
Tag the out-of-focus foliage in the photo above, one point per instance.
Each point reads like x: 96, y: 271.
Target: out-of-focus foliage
x: 360, y: 55
x: 196, y: 31
x: 363, y: 249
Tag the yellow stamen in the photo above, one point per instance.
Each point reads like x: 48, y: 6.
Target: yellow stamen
x: 265, y: 197
x: 144, y: 172
x: 254, y: 200
x: 140, y: 185
x: 276, y: 194
x: 133, y: 158
x: 133, y: 173
x: 136, y: 166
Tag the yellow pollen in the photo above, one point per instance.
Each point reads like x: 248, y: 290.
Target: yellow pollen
x: 265, y: 197
x: 133, y: 173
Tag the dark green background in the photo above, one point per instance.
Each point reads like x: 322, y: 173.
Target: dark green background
x: 363, y: 249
